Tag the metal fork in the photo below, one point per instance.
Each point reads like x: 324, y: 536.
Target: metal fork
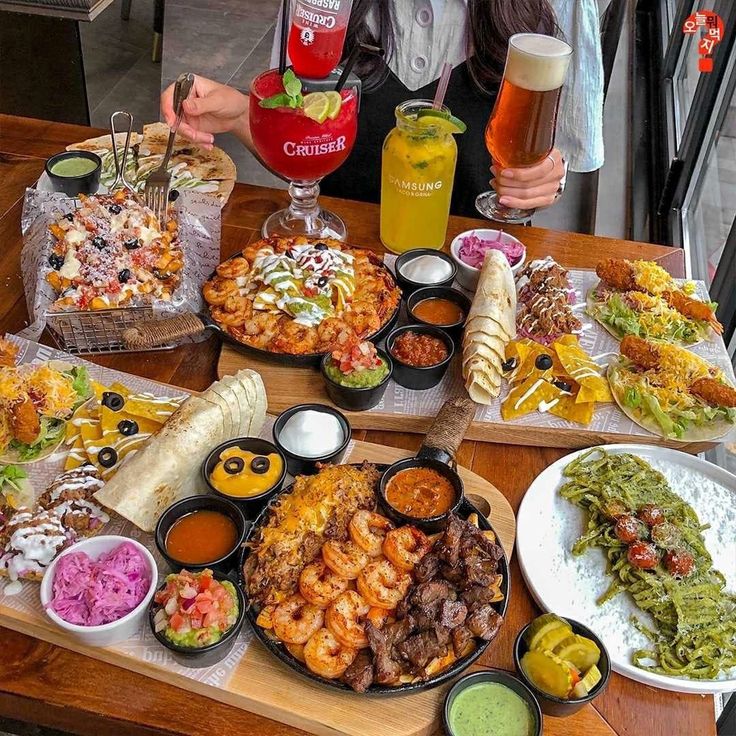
x: 120, y: 165
x: 156, y: 192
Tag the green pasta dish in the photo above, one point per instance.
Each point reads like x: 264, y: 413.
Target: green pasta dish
x: 656, y: 552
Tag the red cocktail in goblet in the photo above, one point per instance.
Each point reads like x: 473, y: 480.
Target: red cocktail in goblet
x: 302, y: 148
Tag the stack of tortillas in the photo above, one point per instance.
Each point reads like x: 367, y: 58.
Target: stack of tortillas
x: 491, y: 324
x: 167, y: 467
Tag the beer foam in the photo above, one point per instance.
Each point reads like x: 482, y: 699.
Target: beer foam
x: 537, y: 63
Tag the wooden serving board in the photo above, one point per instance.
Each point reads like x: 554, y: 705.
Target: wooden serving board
x: 263, y: 685
x: 286, y: 386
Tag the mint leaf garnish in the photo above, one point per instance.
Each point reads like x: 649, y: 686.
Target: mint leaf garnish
x: 292, y: 97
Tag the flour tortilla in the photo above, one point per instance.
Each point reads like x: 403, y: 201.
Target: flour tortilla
x: 167, y: 468
x: 256, y: 391
x: 712, y: 431
x: 490, y: 326
x: 104, y: 143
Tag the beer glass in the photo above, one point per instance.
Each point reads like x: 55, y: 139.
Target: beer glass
x: 521, y: 129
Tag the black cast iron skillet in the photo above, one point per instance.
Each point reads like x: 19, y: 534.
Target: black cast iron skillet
x: 157, y: 333
x: 464, y: 509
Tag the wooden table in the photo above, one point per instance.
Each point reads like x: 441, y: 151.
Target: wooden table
x: 44, y: 684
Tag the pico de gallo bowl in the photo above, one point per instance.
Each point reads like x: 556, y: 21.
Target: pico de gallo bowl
x: 197, y: 616
x: 356, y: 374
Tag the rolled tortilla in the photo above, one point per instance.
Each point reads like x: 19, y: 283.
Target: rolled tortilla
x: 490, y: 325
x: 167, y: 468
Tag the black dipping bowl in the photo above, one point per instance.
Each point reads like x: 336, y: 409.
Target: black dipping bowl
x: 298, y: 465
x: 74, y: 185
x: 429, y: 524
x: 212, y: 653
x: 198, y: 503
x: 356, y: 399
x: 251, y: 505
x: 414, y: 377
x: 503, y: 678
x: 551, y: 705
x: 407, y: 285
x: 440, y: 292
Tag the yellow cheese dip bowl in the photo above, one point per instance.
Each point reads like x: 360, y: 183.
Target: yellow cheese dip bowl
x: 247, y: 471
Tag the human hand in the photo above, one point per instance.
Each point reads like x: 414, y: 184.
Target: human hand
x: 531, y: 187
x: 210, y: 108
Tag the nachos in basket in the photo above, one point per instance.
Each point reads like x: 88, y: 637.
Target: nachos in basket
x: 113, y: 252
x: 671, y: 391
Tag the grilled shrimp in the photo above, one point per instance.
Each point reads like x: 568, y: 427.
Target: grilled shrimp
x: 295, y: 338
x: 217, y: 290
x: 320, y: 585
x: 714, y: 392
x: 344, y: 558
x: 617, y: 272
x: 295, y: 620
x: 345, y: 618
x: 325, y: 656
x: 382, y: 585
x: 693, y: 308
x: 368, y: 531
x: 233, y: 268
x: 405, y: 546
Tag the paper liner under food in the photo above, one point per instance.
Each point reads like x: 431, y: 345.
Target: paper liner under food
x: 594, y: 339
x: 198, y: 216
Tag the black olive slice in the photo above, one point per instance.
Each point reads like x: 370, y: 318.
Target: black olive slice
x: 562, y: 385
x: 107, y: 457
x: 509, y: 365
x: 543, y: 362
x: 260, y: 464
x: 112, y: 400
x: 127, y: 427
x: 234, y: 465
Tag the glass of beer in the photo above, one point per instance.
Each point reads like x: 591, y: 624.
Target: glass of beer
x: 521, y: 129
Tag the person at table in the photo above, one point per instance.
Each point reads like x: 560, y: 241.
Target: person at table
x: 418, y: 38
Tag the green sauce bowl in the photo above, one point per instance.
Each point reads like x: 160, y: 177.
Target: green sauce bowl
x: 87, y: 183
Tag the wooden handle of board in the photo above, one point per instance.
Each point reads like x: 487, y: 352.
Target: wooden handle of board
x: 162, y: 331
x: 449, y: 427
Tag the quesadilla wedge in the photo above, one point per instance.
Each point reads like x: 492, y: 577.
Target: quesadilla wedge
x: 672, y: 392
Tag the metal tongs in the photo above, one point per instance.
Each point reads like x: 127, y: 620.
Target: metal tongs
x: 120, y: 164
x: 156, y: 193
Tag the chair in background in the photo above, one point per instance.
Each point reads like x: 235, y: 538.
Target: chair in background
x: 158, y: 26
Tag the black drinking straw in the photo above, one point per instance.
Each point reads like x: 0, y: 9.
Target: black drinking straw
x: 350, y: 63
x: 284, y: 31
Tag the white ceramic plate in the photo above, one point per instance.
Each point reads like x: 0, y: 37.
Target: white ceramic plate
x: 548, y: 525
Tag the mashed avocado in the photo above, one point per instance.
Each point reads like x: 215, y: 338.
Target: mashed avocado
x: 357, y: 379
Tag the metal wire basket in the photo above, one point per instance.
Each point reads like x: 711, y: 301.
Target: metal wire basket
x: 99, y: 331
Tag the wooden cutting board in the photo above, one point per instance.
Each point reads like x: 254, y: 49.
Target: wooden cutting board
x: 286, y: 386
x: 263, y: 685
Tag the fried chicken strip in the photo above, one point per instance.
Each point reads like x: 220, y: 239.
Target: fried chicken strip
x: 8, y: 353
x: 617, y: 272
x: 714, y: 392
x: 24, y: 421
x: 692, y: 308
x: 641, y: 352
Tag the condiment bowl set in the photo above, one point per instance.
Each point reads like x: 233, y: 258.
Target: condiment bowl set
x: 408, y: 285
x: 353, y: 398
x: 551, y: 705
x: 420, y: 377
x: 189, y: 505
x: 300, y: 464
x: 249, y: 505
x: 103, y: 635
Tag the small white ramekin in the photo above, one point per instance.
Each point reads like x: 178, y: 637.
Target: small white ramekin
x: 467, y: 276
x: 116, y: 631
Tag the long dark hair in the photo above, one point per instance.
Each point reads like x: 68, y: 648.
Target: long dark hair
x: 490, y: 25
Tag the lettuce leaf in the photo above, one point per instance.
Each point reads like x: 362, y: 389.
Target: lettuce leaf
x: 81, y: 383
x: 52, y: 430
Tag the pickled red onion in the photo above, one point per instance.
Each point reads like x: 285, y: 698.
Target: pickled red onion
x: 473, y: 249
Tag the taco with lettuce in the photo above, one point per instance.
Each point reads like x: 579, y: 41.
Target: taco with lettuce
x: 672, y: 392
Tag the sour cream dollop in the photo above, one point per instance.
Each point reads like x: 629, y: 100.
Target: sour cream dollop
x: 426, y: 269
x: 311, y: 433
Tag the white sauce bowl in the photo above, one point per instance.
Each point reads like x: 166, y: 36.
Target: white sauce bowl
x: 467, y: 276
x: 116, y: 631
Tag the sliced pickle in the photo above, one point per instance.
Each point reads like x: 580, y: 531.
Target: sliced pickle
x: 548, y: 672
x: 552, y: 639
x: 582, y: 653
x: 589, y: 680
x: 543, y: 625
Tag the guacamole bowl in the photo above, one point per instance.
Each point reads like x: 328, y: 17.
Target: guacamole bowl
x: 355, y: 397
